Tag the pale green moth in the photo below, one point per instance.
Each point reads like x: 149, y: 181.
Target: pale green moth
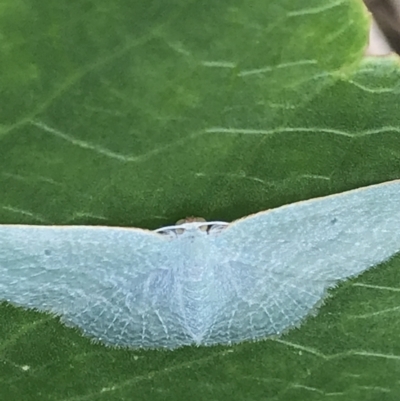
x: 201, y: 283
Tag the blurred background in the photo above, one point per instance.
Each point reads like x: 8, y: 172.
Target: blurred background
x: 385, y: 29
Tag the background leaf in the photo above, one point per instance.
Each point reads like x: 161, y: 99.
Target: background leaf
x: 138, y: 113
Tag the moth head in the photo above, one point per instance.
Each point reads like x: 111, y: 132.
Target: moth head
x: 192, y: 223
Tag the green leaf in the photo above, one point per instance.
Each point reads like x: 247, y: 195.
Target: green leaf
x: 138, y: 113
